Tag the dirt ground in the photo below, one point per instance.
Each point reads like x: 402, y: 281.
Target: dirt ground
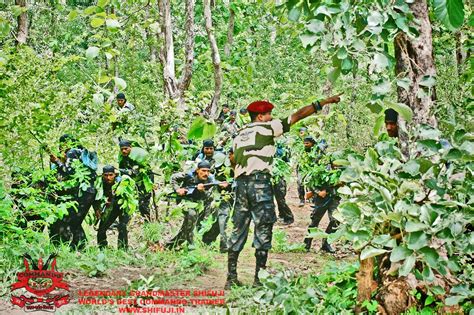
x: 214, y: 278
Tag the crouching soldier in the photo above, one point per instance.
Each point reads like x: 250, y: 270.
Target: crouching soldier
x: 195, y: 186
x: 110, y: 206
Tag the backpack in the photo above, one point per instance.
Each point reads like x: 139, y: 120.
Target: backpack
x: 89, y: 159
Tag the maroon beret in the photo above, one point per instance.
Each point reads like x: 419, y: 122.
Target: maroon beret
x: 260, y: 107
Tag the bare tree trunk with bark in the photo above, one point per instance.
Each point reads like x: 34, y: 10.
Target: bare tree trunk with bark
x: 414, y: 60
x: 185, y: 79
x: 230, y: 32
x: 216, y: 61
x: 175, y: 88
x: 22, y: 30
x: 365, y: 282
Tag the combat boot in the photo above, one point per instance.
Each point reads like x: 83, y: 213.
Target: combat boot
x: 232, y: 258
x: 307, y: 244
x: 261, y: 263
x: 327, y: 248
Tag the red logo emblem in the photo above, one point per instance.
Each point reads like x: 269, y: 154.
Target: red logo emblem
x: 40, y: 282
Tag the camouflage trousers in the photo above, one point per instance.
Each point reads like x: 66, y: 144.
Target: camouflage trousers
x: 186, y: 232
x: 220, y: 217
x: 253, y: 201
x: 284, y: 212
x: 69, y: 228
x: 301, y: 188
x: 107, y: 221
x: 321, y: 205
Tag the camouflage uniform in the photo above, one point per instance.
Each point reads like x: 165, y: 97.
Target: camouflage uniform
x: 70, y: 226
x: 321, y: 205
x: 218, y: 163
x: 191, y: 217
x: 279, y: 189
x: 254, y: 148
x: 132, y: 168
x: 110, y: 217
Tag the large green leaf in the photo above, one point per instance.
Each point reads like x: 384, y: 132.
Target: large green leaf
x: 308, y: 40
x: 334, y: 74
x: 431, y: 256
x: 407, y: 266
x: 209, y: 130
x: 449, y: 12
x: 92, y: 52
x: 370, y: 251
x: 121, y: 84
x: 102, y: 3
x: 400, y: 253
x: 97, y: 22
x: 417, y: 240
x: 401, y: 109
x: 294, y: 14
x: 113, y: 24
x: 411, y: 226
x: 350, y: 211
x: 197, y: 128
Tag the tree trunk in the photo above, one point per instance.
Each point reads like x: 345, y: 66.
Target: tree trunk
x: 365, y: 282
x: 169, y: 76
x: 414, y: 60
x: 22, y: 31
x: 186, y: 76
x: 230, y: 32
x: 461, y: 54
x: 216, y: 61
x: 174, y: 88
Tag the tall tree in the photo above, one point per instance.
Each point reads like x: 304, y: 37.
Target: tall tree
x: 230, y: 31
x: 414, y: 60
x: 216, y: 61
x: 22, y: 19
x: 174, y: 87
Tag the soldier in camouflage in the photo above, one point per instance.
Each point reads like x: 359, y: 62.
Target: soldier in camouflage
x: 280, y: 187
x: 191, y: 186
x: 254, y: 148
x: 112, y: 210
x: 140, y: 172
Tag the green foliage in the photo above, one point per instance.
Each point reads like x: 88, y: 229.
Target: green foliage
x: 416, y: 210
x: 333, y: 291
x: 280, y: 243
x: 95, y: 267
x: 126, y: 193
x: 449, y: 12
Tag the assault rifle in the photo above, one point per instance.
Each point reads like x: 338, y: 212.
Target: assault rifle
x: 190, y: 190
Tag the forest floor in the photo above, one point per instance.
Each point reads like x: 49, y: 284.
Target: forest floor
x: 211, y: 277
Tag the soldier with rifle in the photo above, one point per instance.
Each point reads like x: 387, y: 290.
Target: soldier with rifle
x: 195, y: 186
x: 254, y: 148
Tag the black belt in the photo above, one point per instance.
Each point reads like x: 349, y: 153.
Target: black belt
x: 255, y: 176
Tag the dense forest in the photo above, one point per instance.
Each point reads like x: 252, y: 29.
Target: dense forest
x: 404, y: 234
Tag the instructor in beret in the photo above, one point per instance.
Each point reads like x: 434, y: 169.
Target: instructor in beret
x: 254, y: 148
